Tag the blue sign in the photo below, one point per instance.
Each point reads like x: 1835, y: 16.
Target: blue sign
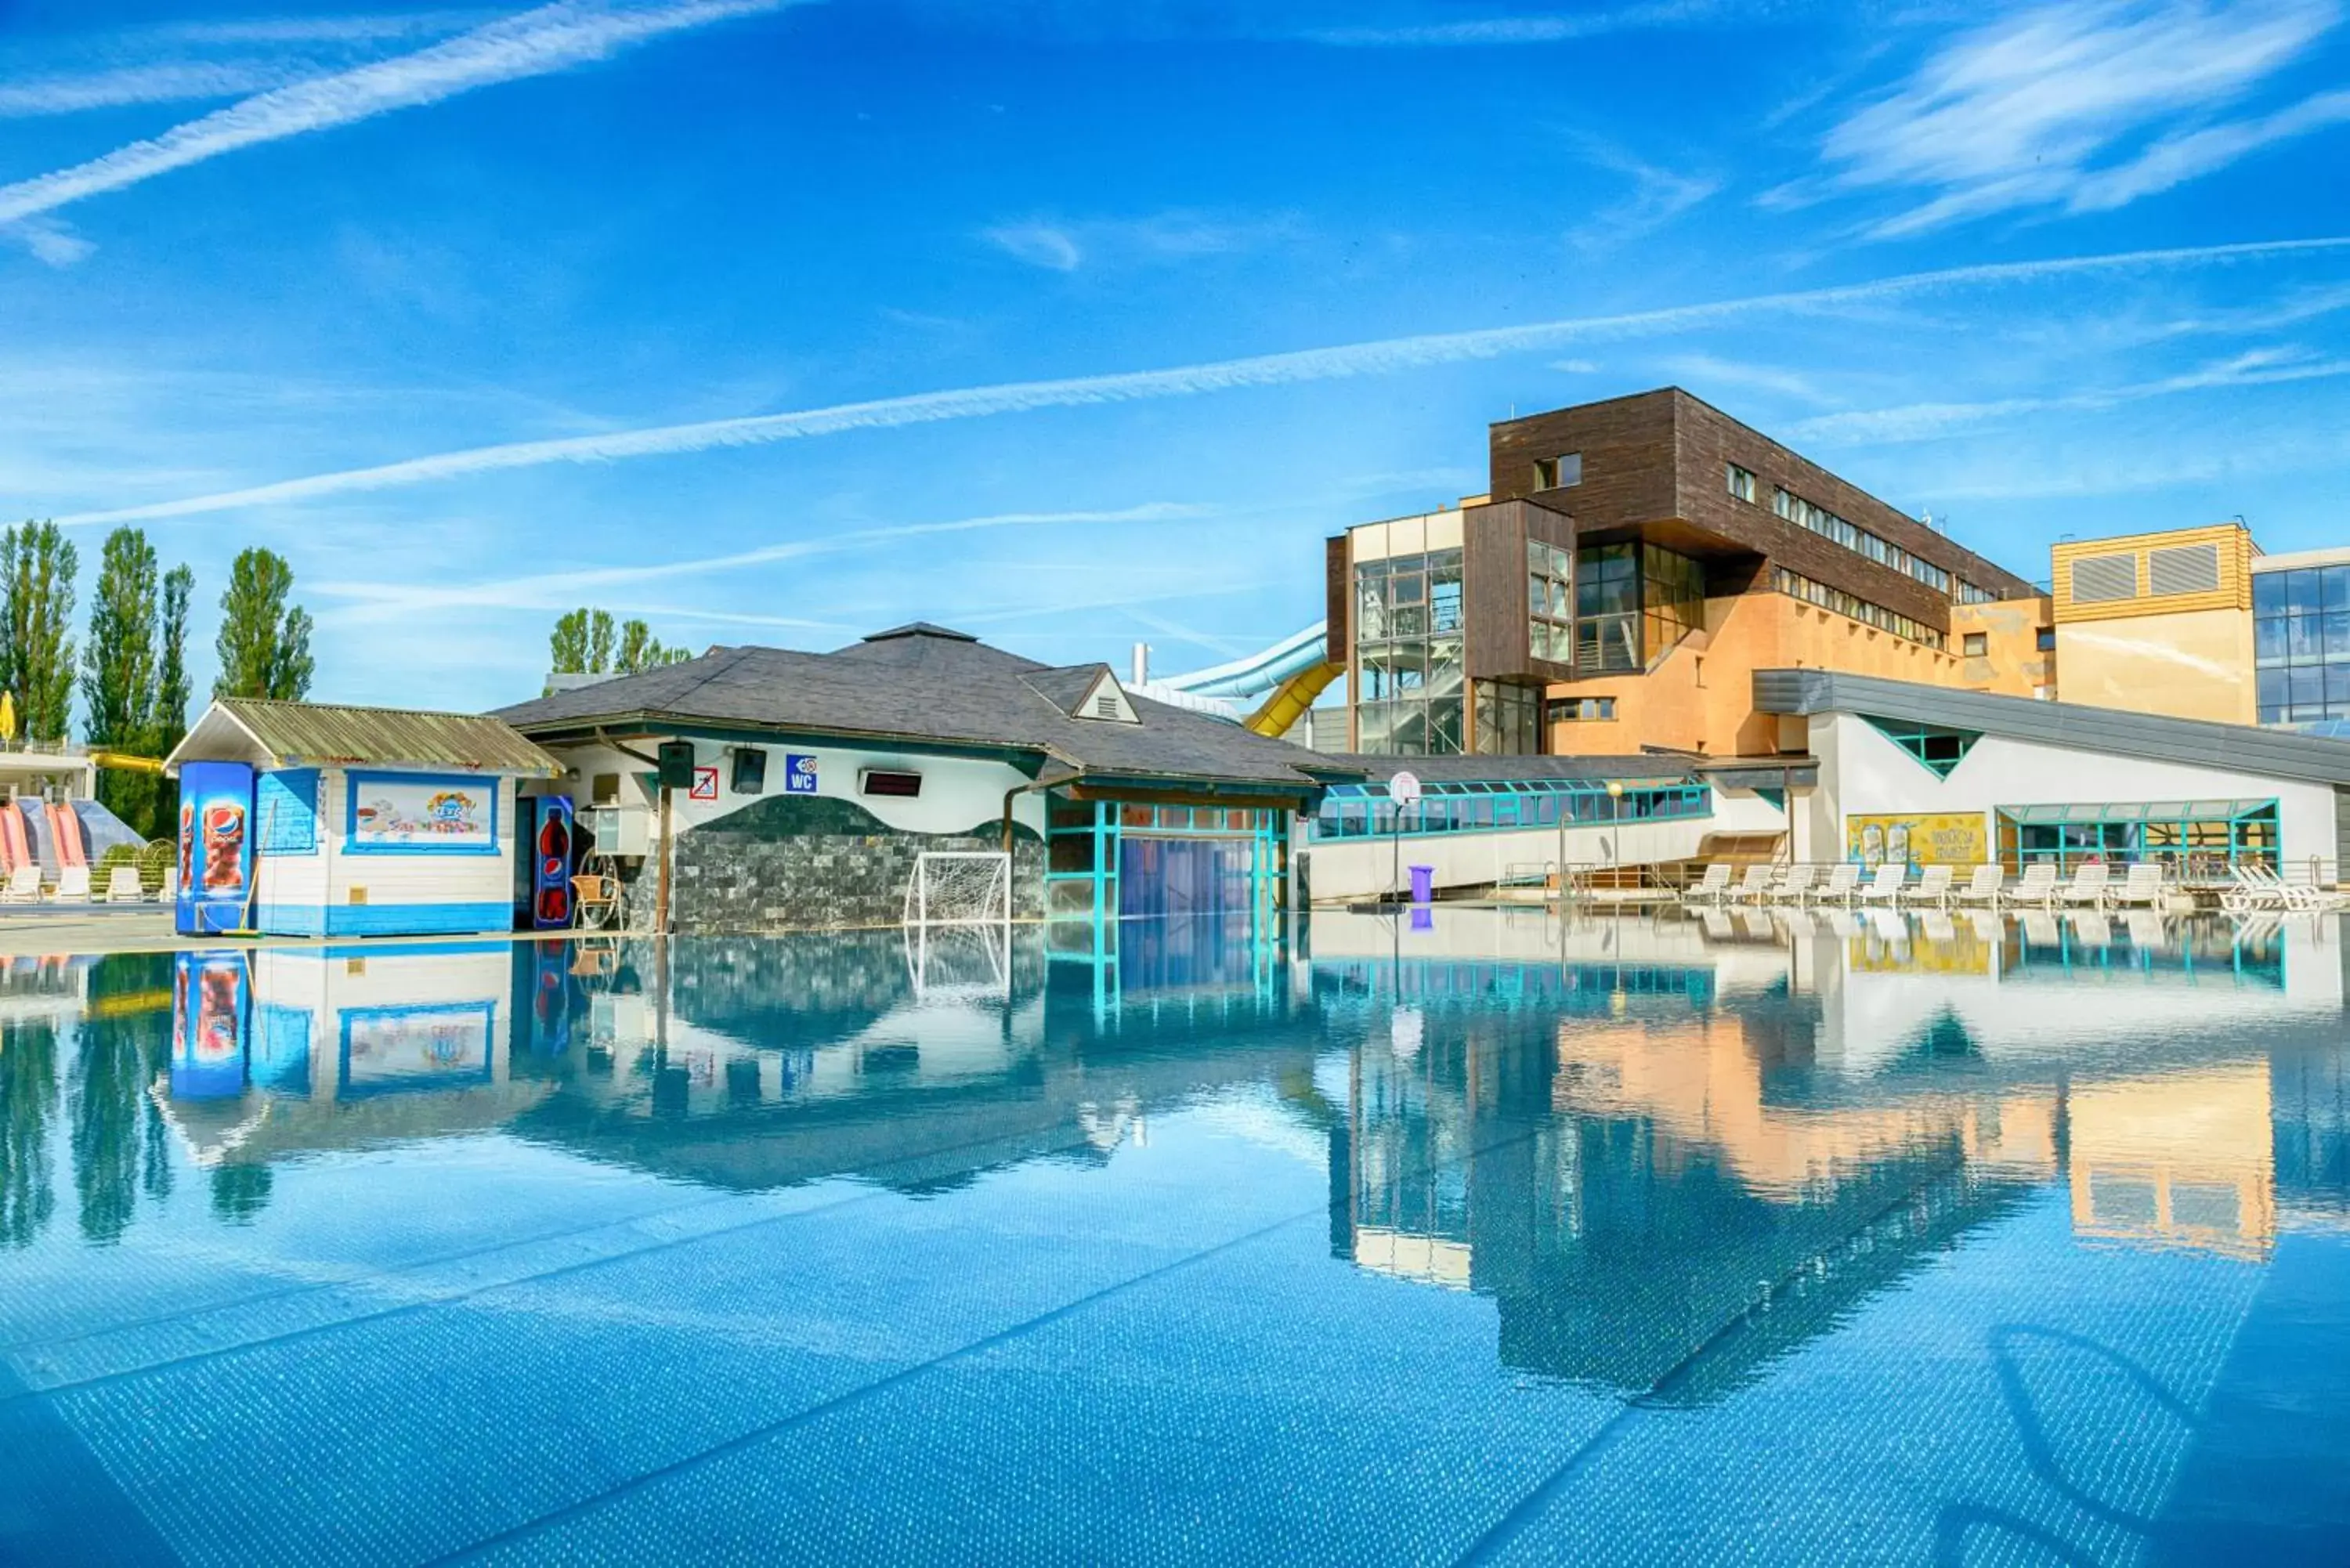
x: 799, y: 774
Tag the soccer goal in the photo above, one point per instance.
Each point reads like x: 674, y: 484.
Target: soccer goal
x: 959, y: 887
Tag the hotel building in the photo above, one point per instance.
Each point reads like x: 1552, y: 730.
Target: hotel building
x: 1631, y: 565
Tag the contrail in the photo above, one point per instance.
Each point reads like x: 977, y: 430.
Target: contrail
x: 533, y: 43
x: 1378, y: 358
x: 548, y: 589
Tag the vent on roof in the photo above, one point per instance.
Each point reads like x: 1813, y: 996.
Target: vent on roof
x: 2182, y: 569
x: 1106, y: 699
x: 2101, y: 579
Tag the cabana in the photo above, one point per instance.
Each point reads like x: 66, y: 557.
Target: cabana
x: 305, y: 819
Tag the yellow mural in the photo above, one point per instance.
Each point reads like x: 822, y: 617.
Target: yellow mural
x: 1944, y: 838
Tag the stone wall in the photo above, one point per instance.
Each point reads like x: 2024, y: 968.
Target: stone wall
x: 813, y: 863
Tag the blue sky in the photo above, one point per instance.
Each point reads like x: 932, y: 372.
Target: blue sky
x: 1077, y: 324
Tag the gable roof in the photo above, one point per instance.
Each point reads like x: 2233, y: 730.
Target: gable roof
x: 2230, y: 748
x: 918, y: 686
x: 270, y: 735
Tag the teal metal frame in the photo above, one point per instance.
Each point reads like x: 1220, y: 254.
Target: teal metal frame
x: 1363, y: 811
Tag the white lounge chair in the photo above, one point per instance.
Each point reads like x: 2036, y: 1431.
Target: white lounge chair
x: 1710, y: 888
x: 2090, y: 884
x: 171, y: 887
x: 73, y: 886
x: 1933, y: 888
x: 122, y: 886
x: 23, y: 886
x: 1985, y: 887
x: 1885, y: 888
x: 1754, y: 887
x: 1797, y: 886
x: 2142, y: 885
x: 2037, y: 885
x: 1842, y: 886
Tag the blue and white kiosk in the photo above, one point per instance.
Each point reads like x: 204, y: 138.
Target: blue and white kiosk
x: 312, y: 819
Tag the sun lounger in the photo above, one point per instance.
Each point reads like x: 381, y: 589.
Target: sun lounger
x: 23, y: 886
x: 1754, y: 887
x: 1985, y: 887
x: 2142, y: 885
x: 1885, y: 888
x: 2091, y: 884
x: 170, y: 888
x: 1796, y: 886
x: 1712, y: 887
x: 1843, y: 883
x: 1933, y: 888
x: 2037, y: 885
x: 122, y: 886
x: 73, y: 886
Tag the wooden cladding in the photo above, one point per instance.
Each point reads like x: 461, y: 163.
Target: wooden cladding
x: 1661, y: 464
x: 2154, y: 574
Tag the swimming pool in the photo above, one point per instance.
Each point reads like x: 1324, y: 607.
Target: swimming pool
x: 1824, y: 1240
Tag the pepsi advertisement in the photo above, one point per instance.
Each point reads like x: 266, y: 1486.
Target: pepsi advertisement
x: 216, y: 847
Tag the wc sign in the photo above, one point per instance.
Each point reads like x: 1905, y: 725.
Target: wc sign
x: 799, y: 774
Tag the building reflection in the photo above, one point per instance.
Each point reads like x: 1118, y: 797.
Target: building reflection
x: 1678, y: 1137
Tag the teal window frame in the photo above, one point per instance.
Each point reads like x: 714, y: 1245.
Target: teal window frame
x: 2194, y: 839
x: 1504, y: 806
x: 1936, y: 748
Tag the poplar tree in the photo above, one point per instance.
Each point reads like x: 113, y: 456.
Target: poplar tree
x: 171, y: 663
x: 119, y: 677
x: 38, y: 565
x: 640, y: 649
x: 263, y: 642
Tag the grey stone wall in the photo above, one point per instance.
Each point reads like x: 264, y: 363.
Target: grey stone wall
x: 798, y: 864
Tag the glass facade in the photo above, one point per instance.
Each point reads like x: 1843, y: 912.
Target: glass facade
x: 2199, y: 840
x: 1363, y: 811
x: 1509, y: 718
x: 1633, y: 604
x: 1409, y: 690
x: 2301, y: 641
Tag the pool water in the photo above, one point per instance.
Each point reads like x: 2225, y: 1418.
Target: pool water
x: 1809, y: 1239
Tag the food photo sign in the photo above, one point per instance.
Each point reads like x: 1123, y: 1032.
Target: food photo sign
x: 416, y: 815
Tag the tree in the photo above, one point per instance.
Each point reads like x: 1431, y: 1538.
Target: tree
x: 640, y: 649
x: 172, y: 664
x: 119, y: 674
x: 38, y: 565
x: 263, y: 643
x: 582, y: 643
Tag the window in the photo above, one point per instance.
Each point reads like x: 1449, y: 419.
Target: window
x: 1508, y: 719
x: 1558, y: 473
x: 1364, y: 810
x: 1741, y: 483
x: 1550, y: 602
x: 2196, y: 839
x: 1582, y: 710
x: 1844, y: 604
x: 2046, y: 639
x: 1976, y: 645
x: 1938, y: 749
x: 1859, y: 541
x: 1633, y: 604
x: 2300, y: 643
x: 1968, y: 593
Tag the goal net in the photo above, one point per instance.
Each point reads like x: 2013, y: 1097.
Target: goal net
x: 959, y: 887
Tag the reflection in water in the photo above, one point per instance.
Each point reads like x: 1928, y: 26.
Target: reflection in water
x: 1749, y: 1168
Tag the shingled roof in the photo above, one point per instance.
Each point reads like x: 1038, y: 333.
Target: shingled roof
x: 922, y: 685
x: 271, y: 734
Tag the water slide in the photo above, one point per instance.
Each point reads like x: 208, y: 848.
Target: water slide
x: 15, y: 850
x: 1265, y: 691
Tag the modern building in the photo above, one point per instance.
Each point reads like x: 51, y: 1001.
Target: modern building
x: 815, y: 782
x: 2199, y: 623
x: 309, y: 819
x: 1632, y: 563
x: 1961, y: 777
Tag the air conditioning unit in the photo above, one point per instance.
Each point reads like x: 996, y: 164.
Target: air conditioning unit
x: 619, y: 829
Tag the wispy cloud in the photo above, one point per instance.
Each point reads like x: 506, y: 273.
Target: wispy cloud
x: 167, y: 81
x: 1384, y: 357
x: 359, y: 28
x: 1502, y: 30
x: 1065, y: 245
x: 2080, y: 106
x: 1657, y: 196
x: 548, y: 590
x: 534, y: 43
x: 1931, y: 422
x: 52, y: 243
x: 1707, y: 369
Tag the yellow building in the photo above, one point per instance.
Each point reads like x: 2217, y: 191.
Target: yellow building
x: 2159, y: 623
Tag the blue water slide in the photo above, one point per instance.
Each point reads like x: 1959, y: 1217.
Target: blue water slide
x: 1259, y: 672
